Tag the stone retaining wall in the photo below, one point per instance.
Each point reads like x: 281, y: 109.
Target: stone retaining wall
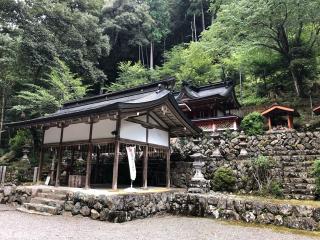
x: 293, y: 152
x: 231, y: 207
x: 14, y: 195
x: 122, y: 208
x: 118, y: 208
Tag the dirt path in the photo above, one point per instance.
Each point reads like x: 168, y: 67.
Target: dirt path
x: 16, y: 225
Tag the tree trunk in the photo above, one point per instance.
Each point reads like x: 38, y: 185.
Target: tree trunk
x: 147, y: 59
x: 151, y: 54
x: 202, y: 17
x: 192, y: 31
x: 3, y: 102
x: 142, y: 55
x: 139, y: 52
x: 296, y: 82
x: 195, y: 28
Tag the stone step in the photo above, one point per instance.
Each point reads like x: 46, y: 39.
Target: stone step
x: 42, y: 208
x: 48, y: 201
x: 53, y: 191
x: 54, y: 196
x: 24, y: 210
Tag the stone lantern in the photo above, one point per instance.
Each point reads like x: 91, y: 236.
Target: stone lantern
x: 198, y: 183
x: 216, y: 142
x: 26, y: 151
x: 243, y: 145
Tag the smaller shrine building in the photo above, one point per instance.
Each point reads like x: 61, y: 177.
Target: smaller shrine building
x: 209, y: 107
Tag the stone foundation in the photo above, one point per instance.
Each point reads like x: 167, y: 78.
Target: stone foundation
x: 118, y: 208
x: 122, y: 208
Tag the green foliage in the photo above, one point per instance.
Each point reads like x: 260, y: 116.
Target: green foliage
x: 190, y: 63
x: 223, y: 179
x: 261, y: 172
x: 62, y: 86
x: 19, y: 172
x: 2, y: 152
x: 287, y: 28
x: 21, y: 138
x: 275, y: 189
x: 68, y: 30
x: 253, y: 124
x: 132, y: 75
x: 316, y: 174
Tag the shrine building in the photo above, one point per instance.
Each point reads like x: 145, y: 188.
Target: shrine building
x: 83, y: 143
x: 209, y: 107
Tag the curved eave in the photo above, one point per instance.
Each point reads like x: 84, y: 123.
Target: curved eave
x: 119, y: 106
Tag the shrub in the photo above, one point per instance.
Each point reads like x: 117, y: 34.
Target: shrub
x: 275, y: 189
x: 21, y: 138
x: 261, y: 172
x: 223, y: 179
x: 316, y: 174
x: 253, y: 124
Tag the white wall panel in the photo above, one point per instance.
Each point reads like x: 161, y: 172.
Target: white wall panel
x: 158, y: 137
x: 132, y: 131
x: 103, y: 129
x: 76, y: 132
x: 52, y: 135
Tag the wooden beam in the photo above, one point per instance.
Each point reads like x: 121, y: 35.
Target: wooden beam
x: 270, y: 123
x: 89, y: 158
x: 59, y: 158
x: 290, y: 121
x: 116, y: 154
x: 41, y: 157
x: 168, y: 169
x: 145, y: 124
x: 146, y: 158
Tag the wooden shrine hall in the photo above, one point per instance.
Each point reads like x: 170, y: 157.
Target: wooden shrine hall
x: 87, y: 138
x: 209, y: 107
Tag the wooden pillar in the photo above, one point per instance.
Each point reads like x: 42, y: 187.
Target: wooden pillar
x: 168, y: 168
x: 89, y: 157
x: 59, y: 158
x: 40, y: 165
x: 270, y: 123
x: 290, y: 121
x: 116, y: 155
x: 146, y: 158
x: 41, y: 158
x: 145, y: 166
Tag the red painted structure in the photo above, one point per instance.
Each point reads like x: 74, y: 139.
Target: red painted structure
x: 275, y: 115
x: 209, y: 107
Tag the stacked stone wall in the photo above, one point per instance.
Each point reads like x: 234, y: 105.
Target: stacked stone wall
x: 293, y: 153
x: 11, y: 194
x: 230, y: 207
x: 130, y: 206
x: 118, y: 208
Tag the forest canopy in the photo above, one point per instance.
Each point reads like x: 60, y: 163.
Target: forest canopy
x: 52, y: 51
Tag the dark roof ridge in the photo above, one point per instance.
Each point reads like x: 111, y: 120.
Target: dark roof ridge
x: 226, y: 84
x: 105, y: 98
x: 102, y: 97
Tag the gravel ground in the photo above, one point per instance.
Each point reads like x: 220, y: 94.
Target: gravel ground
x: 17, y: 225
